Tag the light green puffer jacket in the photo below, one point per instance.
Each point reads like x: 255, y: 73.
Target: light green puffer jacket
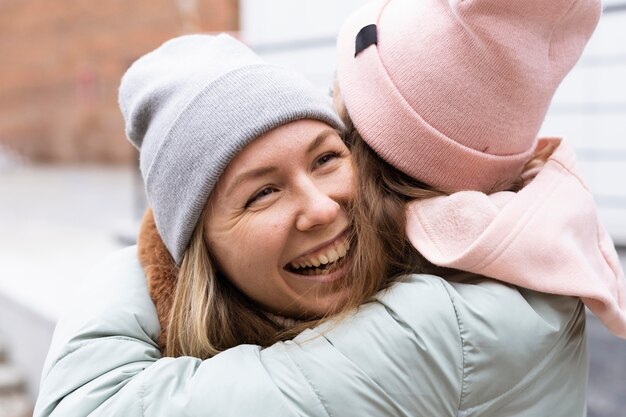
x: 426, y: 347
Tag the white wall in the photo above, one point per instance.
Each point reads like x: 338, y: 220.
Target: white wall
x: 300, y: 34
x: 589, y: 108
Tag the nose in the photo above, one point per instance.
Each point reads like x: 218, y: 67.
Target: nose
x: 318, y: 209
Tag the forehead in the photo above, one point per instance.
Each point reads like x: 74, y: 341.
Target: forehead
x: 280, y: 145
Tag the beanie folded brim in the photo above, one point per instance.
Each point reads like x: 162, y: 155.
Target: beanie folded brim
x: 393, y: 129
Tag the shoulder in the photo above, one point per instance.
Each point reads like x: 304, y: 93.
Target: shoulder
x: 438, y: 347
x: 110, y: 323
x: 114, y: 291
x: 481, y: 310
x: 112, y: 301
x: 524, y: 340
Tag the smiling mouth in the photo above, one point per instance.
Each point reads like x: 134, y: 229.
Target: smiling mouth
x: 323, y: 262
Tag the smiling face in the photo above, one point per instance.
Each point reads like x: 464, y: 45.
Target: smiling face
x: 277, y: 222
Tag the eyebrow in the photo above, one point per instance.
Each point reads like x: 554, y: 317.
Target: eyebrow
x: 319, y: 139
x: 254, y: 173
x: 259, y: 172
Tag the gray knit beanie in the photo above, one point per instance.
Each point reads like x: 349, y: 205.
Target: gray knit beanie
x: 190, y: 106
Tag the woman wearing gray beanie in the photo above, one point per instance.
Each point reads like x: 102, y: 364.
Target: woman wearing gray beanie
x: 249, y: 242
x: 249, y: 182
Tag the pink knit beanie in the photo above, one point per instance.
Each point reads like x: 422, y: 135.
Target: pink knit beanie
x: 453, y: 92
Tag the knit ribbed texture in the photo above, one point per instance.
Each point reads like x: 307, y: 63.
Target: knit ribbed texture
x: 454, y: 92
x: 190, y: 106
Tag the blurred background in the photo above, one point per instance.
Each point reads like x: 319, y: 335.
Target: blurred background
x: 70, y: 192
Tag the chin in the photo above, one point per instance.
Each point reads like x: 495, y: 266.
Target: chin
x: 329, y: 305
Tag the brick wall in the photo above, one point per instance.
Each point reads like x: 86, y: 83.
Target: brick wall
x: 62, y: 61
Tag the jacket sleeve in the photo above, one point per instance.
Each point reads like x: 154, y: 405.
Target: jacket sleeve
x: 524, y: 352
x: 104, y: 361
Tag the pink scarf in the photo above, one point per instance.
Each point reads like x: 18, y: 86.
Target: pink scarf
x: 546, y: 237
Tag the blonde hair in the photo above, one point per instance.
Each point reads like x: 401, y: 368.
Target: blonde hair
x: 208, y: 313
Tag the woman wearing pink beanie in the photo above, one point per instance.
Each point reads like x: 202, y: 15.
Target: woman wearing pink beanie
x: 444, y: 100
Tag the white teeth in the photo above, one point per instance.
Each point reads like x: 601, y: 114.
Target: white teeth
x: 341, y: 250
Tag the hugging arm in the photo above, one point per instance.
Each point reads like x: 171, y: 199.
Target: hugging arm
x: 104, y: 360
x: 424, y: 347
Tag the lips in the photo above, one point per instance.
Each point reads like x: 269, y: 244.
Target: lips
x: 321, y: 262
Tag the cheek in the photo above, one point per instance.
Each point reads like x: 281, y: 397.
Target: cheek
x: 348, y: 183
x: 254, y: 266
x: 253, y: 247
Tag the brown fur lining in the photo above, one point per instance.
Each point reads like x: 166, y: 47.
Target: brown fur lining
x: 160, y: 269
